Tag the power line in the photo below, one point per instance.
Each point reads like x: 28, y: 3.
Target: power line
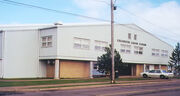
x: 102, y: 1
x: 73, y: 14
x: 145, y: 20
x: 52, y: 10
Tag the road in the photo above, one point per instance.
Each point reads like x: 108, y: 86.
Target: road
x: 169, y: 88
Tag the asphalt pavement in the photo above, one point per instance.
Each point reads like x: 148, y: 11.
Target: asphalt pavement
x: 165, y: 88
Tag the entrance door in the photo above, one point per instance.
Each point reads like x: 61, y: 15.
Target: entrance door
x: 50, y: 70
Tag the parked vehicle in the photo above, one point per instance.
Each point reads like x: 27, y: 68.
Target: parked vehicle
x: 157, y: 74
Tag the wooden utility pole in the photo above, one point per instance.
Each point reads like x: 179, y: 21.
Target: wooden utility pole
x: 112, y: 41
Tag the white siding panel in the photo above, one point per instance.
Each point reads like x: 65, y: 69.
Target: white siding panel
x: 1, y: 45
x: 49, y: 51
x: 66, y: 41
x: 102, y: 33
x: 21, y: 54
x: 1, y: 69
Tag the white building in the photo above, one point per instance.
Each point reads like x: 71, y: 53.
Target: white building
x: 71, y: 50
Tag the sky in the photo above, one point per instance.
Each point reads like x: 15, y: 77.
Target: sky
x: 159, y: 17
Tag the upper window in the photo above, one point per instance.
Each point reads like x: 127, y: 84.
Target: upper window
x: 100, y: 45
x: 46, y: 41
x: 155, y: 52
x: 125, y: 48
x: 138, y: 50
x: 81, y: 43
x: 164, y: 53
x: 135, y: 37
x: 129, y: 35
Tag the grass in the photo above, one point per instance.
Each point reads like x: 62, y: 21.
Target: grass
x: 61, y: 81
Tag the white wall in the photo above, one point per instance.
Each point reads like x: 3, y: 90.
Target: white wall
x: 49, y: 52
x: 21, y: 54
x: 42, y: 69
x: 66, y: 36
x: 1, y: 44
x: 1, y: 69
x: 142, y: 37
x: 66, y: 33
x: 1, y: 54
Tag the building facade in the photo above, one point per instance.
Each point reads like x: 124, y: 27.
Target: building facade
x: 71, y: 50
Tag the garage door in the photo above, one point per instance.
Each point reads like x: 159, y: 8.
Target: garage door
x: 74, y: 69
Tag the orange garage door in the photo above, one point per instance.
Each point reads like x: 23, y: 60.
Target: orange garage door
x: 74, y: 69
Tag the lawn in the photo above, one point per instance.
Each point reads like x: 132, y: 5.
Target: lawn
x: 61, y: 81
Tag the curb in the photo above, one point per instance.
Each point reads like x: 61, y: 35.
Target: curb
x: 130, y: 83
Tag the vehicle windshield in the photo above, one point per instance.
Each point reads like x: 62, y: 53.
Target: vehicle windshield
x: 164, y: 71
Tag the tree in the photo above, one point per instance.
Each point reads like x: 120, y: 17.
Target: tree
x: 104, y: 62
x: 175, y: 59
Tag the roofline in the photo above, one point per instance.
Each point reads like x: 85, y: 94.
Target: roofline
x: 152, y: 35
x: 102, y: 24
x: 48, y: 28
x: 20, y: 25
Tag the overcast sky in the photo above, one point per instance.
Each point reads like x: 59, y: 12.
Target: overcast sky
x: 159, y: 17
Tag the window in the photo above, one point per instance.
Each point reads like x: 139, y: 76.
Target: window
x: 100, y: 45
x: 129, y: 35
x: 138, y: 50
x: 80, y: 43
x: 152, y: 71
x: 125, y: 48
x: 158, y: 71
x: 135, y: 37
x: 46, y: 41
x: 164, y: 53
x: 155, y: 52
x: 95, y: 67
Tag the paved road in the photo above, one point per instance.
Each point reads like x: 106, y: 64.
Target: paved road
x: 149, y: 89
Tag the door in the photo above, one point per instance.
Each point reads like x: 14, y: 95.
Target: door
x: 151, y: 73
x: 50, y: 70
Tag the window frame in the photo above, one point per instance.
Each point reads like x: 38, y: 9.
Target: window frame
x: 82, y: 43
x: 45, y: 41
x: 100, y: 45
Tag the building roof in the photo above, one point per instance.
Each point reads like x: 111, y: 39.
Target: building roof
x: 55, y: 25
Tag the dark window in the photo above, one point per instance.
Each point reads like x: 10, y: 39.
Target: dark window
x: 135, y: 37
x: 129, y: 35
x: 158, y: 71
x: 152, y: 71
x: 96, y: 66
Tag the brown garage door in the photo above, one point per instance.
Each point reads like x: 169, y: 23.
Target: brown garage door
x: 50, y: 70
x: 74, y: 69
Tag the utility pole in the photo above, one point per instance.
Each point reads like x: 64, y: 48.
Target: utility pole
x: 112, y: 41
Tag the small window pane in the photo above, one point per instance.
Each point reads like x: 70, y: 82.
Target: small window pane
x: 43, y: 39
x: 135, y: 37
x: 43, y: 44
x: 49, y: 44
x: 49, y: 38
x: 129, y: 35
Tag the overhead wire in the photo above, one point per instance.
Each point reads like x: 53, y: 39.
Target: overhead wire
x: 52, y: 10
x: 159, y: 27
x: 78, y: 15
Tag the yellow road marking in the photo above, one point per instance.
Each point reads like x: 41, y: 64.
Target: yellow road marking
x: 144, y: 91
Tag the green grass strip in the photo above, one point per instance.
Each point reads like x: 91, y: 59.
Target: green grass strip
x: 62, y: 81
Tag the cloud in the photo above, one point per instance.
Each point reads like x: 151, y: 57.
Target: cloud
x: 161, y: 19
x: 93, y: 8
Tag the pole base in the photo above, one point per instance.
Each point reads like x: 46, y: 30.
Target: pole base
x: 112, y: 81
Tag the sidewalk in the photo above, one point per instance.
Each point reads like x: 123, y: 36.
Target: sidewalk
x: 78, y: 85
